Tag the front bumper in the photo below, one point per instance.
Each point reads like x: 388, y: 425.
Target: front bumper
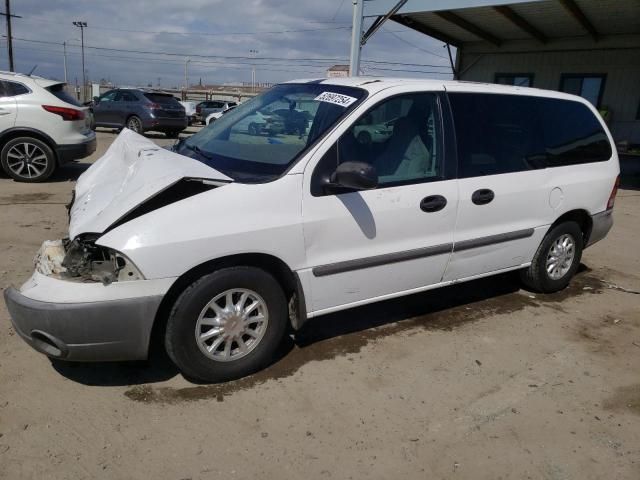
x: 76, y: 151
x: 601, y: 224
x: 101, y: 327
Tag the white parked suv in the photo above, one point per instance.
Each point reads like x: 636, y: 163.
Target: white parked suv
x: 41, y: 127
x: 223, y: 244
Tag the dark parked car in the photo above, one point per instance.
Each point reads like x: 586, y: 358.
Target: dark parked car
x: 206, y: 108
x: 139, y: 110
x: 295, y: 121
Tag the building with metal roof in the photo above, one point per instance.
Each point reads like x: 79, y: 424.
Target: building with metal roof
x: 586, y: 47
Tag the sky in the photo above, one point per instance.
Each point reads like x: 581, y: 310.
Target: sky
x: 290, y: 39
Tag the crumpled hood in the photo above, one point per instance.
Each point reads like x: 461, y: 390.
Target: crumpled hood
x: 132, y: 170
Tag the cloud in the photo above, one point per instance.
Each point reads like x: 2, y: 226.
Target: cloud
x: 309, y: 29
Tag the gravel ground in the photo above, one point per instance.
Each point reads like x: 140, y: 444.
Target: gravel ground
x: 482, y: 380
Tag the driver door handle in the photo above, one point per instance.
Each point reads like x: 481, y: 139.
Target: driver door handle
x: 433, y: 203
x: 482, y: 196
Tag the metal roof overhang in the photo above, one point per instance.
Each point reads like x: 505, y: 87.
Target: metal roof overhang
x: 496, y: 22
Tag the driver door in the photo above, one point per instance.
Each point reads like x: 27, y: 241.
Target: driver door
x: 103, y: 110
x: 370, y: 245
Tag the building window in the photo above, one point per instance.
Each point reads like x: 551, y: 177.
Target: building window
x: 588, y: 86
x: 516, y: 79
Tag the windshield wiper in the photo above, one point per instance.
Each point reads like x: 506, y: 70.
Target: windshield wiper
x: 198, y: 150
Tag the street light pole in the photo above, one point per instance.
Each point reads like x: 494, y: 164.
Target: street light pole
x: 186, y: 77
x: 253, y: 70
x: 82, y: 25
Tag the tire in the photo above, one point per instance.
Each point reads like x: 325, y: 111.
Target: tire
x: 135, y: 124
x: 254, y: 129
x: 27, y: 159
x: 364, y: 138
x: 567, y: 240
x: 184, y: 324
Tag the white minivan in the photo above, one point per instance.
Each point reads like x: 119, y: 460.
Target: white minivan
x: 227, y: 240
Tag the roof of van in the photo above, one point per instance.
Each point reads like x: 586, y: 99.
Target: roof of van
x: 376, y: 84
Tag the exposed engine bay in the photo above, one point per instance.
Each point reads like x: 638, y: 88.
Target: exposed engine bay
x: 82, y: 260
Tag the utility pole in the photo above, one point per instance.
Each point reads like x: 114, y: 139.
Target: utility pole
x: 8, y: 16
x: 64, y: 50
x: 82, y: 25
x: 356, y: 38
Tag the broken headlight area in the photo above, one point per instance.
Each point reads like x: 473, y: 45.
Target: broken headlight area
x: 82, y: 260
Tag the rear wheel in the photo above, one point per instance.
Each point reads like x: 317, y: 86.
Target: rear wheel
x: 227, y: 324
x: 135, y: 124
x: 27, y: 159
x: 556, y: 260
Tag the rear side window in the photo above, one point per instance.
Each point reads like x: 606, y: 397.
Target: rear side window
x: 58, y: 90
x: 512, y: 133
x: 162, y: 98
x: 15, y: 88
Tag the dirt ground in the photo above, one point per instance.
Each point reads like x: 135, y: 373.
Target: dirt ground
x: 478, y: 381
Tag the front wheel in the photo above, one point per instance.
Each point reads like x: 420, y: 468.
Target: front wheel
x: 226, y: 325
x: 556, y: 260
x: 28, y: 159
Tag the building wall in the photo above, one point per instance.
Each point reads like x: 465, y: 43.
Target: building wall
x: 618, y: 58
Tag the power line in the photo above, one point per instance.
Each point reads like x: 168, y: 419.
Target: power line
x: 223, y: 57
x: 335, y: 15
x: 398, y: 37
x: 208, y: 34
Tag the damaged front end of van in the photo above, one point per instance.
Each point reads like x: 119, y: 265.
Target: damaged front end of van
x: 86, y: 300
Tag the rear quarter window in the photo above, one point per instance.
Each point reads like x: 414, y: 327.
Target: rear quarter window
x: 498, y: 133
x: 15, y: 88
x: 58, y: 90
x: 572, y: 134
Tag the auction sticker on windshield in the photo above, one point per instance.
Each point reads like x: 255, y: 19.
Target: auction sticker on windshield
x: 335, y: 98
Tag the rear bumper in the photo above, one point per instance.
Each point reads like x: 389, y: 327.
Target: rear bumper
x: 76, y: 151
x: 107, y: 330
x: 601, y: 224
x: 165, y: 124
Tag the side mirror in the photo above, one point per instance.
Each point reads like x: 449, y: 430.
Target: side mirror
x: 354, y: 176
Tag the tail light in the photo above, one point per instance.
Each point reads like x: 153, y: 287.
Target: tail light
x: 614, y: 192
x: 67, y: 114
x: 155, y: 106
x: 198, y: 109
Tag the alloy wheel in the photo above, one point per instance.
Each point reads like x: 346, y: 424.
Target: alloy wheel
x: 134, y: 124
x: 231, y: 325
x: 27, y: 160
x: 560, y: 256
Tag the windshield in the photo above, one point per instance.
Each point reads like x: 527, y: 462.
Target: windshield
x: 260, y: 139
